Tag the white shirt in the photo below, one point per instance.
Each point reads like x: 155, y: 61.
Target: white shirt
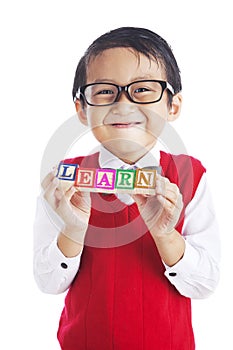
x: 196, y: 275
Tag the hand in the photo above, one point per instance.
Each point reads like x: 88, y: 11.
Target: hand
x: 71, y: 205
x: 161, y: 211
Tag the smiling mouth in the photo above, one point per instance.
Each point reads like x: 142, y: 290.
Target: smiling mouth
x: 125, y: 125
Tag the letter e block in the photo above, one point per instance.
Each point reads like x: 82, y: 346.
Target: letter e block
x: 85, y: 178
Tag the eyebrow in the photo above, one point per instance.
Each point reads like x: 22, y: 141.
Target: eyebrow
x: 145, y: 77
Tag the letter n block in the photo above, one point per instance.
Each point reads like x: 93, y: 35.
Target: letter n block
x: 125, y: 179
x: 85, y: 178
x: 67, y: 171
x: 145, y: 179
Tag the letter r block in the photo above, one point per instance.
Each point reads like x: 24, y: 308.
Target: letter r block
x: 125, y: 179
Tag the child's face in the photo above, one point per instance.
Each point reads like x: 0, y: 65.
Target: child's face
x: 127, y: 129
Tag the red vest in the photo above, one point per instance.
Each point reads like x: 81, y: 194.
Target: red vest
x: 120, y: 298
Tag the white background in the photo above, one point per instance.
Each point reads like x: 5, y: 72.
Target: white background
x: 41, y: 43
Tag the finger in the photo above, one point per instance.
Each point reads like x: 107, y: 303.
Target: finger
x: 64, y: 200
x: 180, y: 203
x: 49, y: 192
x: 161, y: 183
x: 170, y: 207
x: 140, y: 199
x: 62, y: 192
x: 81, y: 200
x: 162, y: 200
x: 48, y: 178
x: 172, y: 195
x: 167, y: 189
x: 70, y: 193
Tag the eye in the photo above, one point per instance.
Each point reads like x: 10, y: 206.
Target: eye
x: 104, y: 92
x: 145, y: 91
x: 141, y: 89
x: 100, y: 89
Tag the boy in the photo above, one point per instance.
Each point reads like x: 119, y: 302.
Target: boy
x: 131, y: 262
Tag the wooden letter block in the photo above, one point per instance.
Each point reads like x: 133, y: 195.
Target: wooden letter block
x: 85, y: 178
x: 105, y: 180
x: 145, y: 179
x: 67, y: 171
x: 125, y: 179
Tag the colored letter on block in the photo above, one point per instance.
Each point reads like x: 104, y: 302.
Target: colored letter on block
x: 105, y: 179
x: 67, y: 171
x: 125, y: 179
x: 108, y: 180
x: 85, y: 178
x: 145, y: 178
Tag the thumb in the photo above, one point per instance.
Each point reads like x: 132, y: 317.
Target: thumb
x: 69, y: 194
x: 139, y: 199
x: 81, y: 199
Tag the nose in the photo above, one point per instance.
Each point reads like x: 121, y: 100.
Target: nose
x: 123, y: 106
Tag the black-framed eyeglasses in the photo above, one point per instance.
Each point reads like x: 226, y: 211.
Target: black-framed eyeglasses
x: 141, y: 91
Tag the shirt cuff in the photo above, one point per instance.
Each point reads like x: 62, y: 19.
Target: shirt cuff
x: 59, y: 260
x: 185, y: 267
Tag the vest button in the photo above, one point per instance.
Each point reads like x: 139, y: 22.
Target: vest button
x: 172, y: 274
x: 64, y: 265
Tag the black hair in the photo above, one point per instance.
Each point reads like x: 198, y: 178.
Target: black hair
x: 140, y: 40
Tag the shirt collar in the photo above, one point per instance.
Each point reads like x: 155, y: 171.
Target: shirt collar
x: 109, y: 160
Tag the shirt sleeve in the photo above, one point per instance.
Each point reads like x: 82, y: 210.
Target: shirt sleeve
x: 53, y: 271
x: 196, y: 275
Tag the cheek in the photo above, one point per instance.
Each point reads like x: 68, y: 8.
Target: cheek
x: 96, y: 116
x: 94, y: 122
x: 156, y: 121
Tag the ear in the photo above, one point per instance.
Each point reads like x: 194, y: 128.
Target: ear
x: 81, y: 112
x: 175, y: 108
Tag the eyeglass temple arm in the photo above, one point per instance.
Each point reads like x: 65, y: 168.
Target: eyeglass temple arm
x: 170, y: 88
x: 77, y: 95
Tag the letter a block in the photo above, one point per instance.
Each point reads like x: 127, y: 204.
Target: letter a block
x: 105, y: 180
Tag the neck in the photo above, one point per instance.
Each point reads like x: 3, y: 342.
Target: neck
x: 131, y: 157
